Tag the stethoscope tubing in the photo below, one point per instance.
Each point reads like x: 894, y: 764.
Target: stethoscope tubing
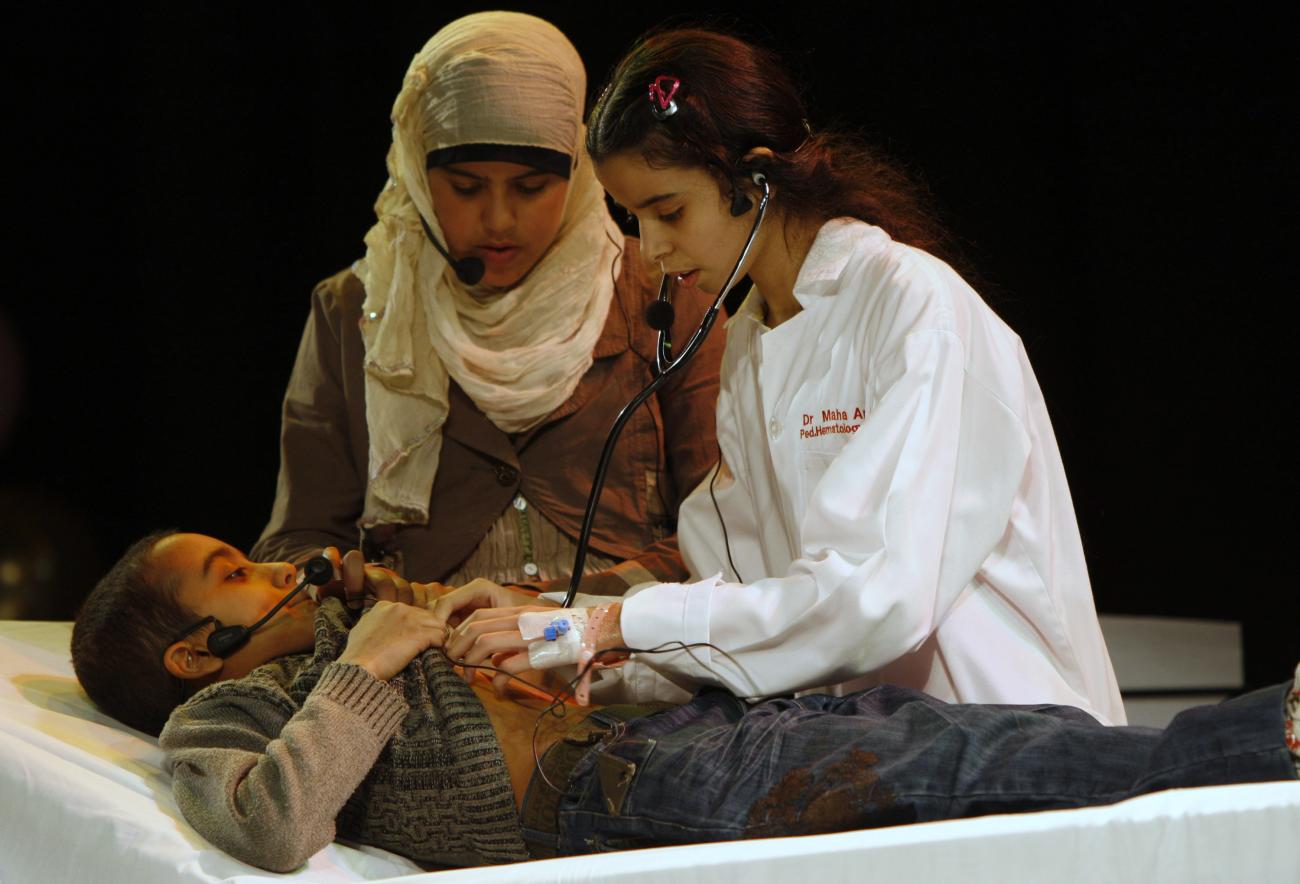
x: 665, y: 367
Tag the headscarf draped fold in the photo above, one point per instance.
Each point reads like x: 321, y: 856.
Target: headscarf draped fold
x: 491, y: 78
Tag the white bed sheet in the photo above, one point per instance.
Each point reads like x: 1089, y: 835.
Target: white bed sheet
x: 85, y: 798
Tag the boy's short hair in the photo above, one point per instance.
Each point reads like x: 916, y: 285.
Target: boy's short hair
x: 120, y: 633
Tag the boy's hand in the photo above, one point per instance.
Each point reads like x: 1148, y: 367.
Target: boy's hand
x: 389, y: 636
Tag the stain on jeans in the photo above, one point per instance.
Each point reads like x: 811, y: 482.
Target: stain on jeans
x: 846, y: 795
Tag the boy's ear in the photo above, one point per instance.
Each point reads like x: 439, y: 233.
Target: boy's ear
x: 186, y: 660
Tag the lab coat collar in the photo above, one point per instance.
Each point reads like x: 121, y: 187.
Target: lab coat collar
x: 751, y: 308
x: 836, y: 242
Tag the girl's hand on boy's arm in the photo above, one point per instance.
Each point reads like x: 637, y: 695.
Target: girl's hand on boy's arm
x: 361, y: 583
x: 350, y: 586
x: 373, y: 582
x: 458, y: 605
x: 426, y: 595
x: 483, y: 609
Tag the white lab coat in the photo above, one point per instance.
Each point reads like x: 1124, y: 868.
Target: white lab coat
x: 895, y: 504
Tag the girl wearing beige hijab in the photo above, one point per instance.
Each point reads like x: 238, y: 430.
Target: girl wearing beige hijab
x: 450, y: 428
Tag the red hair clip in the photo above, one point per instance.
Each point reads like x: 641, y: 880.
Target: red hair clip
x: 662, y: 91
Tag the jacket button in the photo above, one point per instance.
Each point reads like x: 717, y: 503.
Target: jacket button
x: 774, y: 427
x: 506, y: 475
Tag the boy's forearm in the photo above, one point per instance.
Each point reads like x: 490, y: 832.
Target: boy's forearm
x: 267, y: 789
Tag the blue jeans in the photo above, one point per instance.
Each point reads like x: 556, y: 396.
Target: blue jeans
x: 717, y: 769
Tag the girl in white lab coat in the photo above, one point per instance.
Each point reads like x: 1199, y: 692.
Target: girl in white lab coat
x: 890, y: 504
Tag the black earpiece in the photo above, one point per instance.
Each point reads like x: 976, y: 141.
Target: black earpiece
x: 740, y: 203
x: 225, y: 641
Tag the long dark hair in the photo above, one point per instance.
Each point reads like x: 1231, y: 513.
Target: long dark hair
x: 734, y: 97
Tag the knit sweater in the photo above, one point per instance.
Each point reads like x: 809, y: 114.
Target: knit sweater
x: 273, y: 766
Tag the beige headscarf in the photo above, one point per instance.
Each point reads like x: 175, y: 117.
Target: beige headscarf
x: 490, y: 78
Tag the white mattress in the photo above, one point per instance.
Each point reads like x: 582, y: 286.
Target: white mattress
x: 85, y: 798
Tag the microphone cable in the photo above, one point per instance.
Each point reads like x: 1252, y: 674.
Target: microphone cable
x: 726, y: 539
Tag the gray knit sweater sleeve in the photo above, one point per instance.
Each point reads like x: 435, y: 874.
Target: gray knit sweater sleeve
x: 263, y: 779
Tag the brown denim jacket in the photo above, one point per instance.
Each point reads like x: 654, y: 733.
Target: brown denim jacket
x: 665, y: 450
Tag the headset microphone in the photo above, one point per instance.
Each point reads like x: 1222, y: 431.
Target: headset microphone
x: 225, y: 641
x: 468, y: 270
x: 659, y: 315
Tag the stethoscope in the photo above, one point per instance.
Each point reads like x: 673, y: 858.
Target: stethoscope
x: 225, y: 640
x: 659, y: 315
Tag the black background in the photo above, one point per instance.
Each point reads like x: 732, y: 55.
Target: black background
x: 1123, y: 185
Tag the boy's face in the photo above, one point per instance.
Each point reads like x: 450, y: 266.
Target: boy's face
x: 218, y: 580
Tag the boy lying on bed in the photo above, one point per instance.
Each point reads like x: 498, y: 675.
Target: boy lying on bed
x: 323, y: 725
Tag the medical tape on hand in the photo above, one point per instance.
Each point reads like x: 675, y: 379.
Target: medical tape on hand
x: 556, y: 637
x: 595, y: 619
